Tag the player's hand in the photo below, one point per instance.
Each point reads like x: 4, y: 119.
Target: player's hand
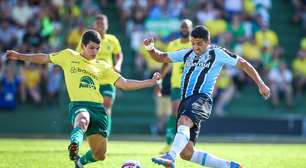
x: 12, y: 55
x: 264, y: 90
x: 156, y: 76
x: 149, y: 44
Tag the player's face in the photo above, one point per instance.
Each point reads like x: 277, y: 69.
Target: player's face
x: 185, y: 30
x: 101, y: 25
x: 199, y: 45
x: 90, y: 50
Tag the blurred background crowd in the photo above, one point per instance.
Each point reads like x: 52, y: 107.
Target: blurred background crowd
x: 242, y: 26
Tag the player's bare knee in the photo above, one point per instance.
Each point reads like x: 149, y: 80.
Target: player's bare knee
x: 186, y: 154
x: 83, y: 123
x: 184, y: 120
x: 108, y: 102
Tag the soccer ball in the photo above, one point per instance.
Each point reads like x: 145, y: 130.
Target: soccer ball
x: 131, y: 164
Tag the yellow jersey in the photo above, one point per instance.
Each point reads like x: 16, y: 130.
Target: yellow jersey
x: 299, y: 66
x: 32, y: 77
x: 177, y: 68
x: 109, y: 45
x: 251, y: 52
x: 268, y: 38
x: 83, y: 77
x: 224, y: 80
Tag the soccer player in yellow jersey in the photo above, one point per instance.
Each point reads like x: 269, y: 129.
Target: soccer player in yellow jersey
x: 110, y: 47
x: 177, y: 69
x: 83, y: 76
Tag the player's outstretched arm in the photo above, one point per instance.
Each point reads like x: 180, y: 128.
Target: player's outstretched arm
x: 157, y: 55
x: 128, y: 84
x: 251, y: 71
x: 38, y: 58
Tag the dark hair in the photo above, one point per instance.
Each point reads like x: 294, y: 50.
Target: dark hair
x: 91, y: 35
x: 201, y: 32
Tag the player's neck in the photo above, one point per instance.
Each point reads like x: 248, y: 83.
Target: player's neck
x: 205, y: 50
x: 102, y: 34
x: 86, y: 57
x: 185, y: 40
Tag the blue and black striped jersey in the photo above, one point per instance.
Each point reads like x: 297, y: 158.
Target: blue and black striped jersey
x: 201, y: 72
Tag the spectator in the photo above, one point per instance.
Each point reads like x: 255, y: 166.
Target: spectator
x: 54, y: 84
x: 135, y: 27
x: 216, y: 27
x: 266, y: 37
x: 32, y: 39
x: 128, y: 7
x: 8, y: 37
x: 280, y: 81
x: 75, y: 35
x: 299, y: 12
x: 176, y: 8
x: 31, y: 83
x: 206, y: 12
x: 22, y: 12
x: 299, y: 69
x: 262, y: 9
x: 233, y: 7
x: 9, y: 83
x: 159, y: 10
x: 224, y: 92
x: 274, y: 61
x: 252, y: 53
x: 236, y: 28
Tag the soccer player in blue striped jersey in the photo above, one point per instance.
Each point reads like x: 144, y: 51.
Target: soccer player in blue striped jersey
x: 202, y: 65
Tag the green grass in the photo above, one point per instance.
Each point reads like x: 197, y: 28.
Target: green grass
x: 43, y: 153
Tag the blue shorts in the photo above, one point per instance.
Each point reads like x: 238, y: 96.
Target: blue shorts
x: 198, y: 108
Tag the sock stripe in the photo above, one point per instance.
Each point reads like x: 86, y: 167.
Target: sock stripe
x: 204, y: 159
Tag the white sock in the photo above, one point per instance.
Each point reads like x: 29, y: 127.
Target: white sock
x: 79, y: 163
x: 180, y: 140
x: 206, y: 159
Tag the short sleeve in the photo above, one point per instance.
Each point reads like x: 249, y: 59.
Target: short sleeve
x: 226, y: 57
x: 60, y: 58
x: 116, y: 44
x: 178, y: 56
x: 110, y: 76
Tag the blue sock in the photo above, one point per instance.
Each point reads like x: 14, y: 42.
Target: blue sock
x: 77, y: 136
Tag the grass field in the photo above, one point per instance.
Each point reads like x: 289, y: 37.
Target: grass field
x: 43, y: 153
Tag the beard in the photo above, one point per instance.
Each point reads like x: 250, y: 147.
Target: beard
x: 184, y: 35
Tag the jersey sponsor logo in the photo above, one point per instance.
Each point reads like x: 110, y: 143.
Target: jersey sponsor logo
x: 87, y: 82
x: 75, y: 62
x: 201, y: 64
x: 77, y: 69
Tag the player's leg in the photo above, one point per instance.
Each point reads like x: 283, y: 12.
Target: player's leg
x: 96, y: 136
x: 274, y: 94
x: 171, y: 121
x: 180, y: 141
x: 205, y: 159
x: 108, y: 92
x: 80, y: 125
x: 288, y: 95
x: 163, y: 110
x: 98, y: 145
